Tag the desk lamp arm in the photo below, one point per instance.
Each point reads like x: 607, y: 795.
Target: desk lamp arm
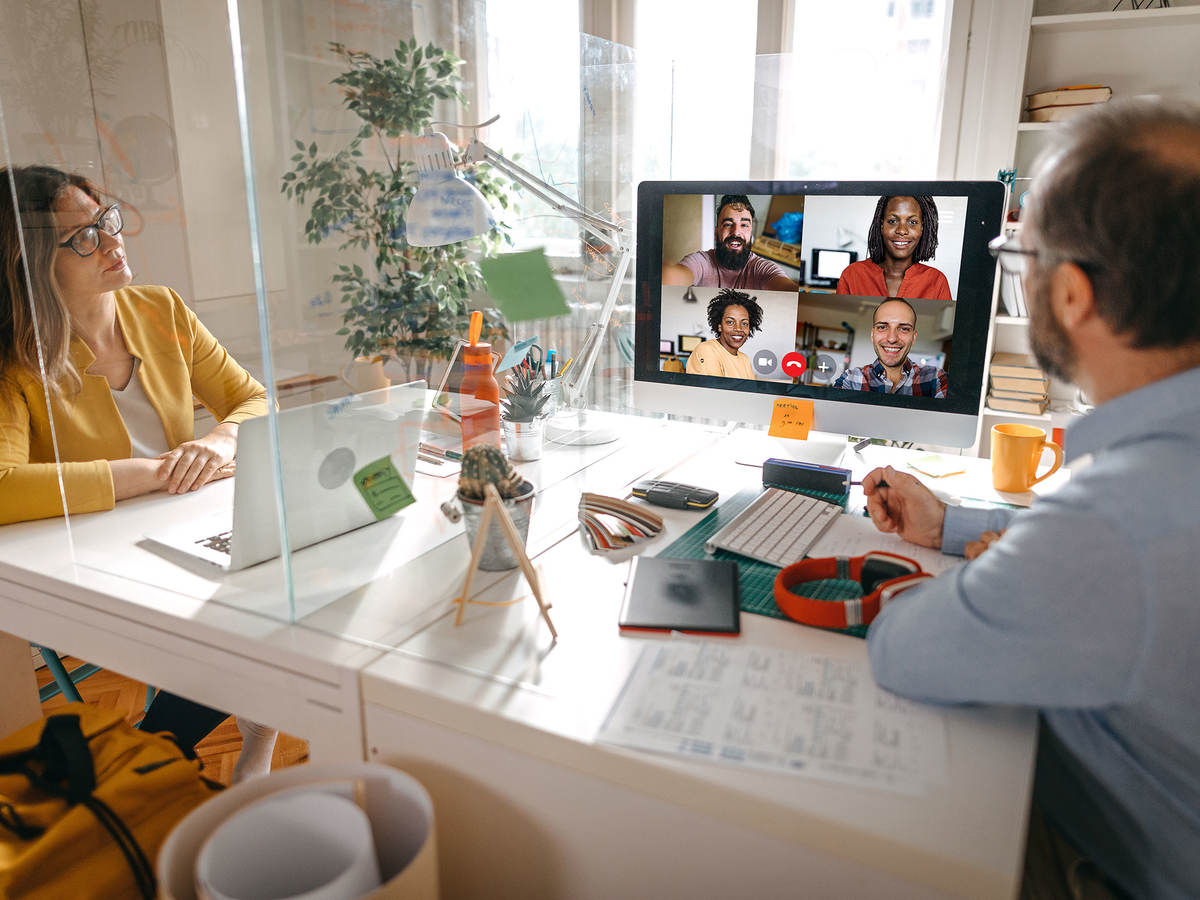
x: 576, y: 381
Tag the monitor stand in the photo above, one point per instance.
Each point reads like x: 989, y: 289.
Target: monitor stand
x: 581, y: 428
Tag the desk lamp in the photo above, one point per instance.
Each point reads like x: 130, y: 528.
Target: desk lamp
x: 442, y: 213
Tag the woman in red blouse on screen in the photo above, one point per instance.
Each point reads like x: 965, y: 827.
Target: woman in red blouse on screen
x: 902, y: 236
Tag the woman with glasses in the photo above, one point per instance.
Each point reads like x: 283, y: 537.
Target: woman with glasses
x: 118, y: 364
x: 105, y: 372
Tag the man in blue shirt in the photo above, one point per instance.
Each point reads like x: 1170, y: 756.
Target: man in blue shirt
x: 1086, y: 605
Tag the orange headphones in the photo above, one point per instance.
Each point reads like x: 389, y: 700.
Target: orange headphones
x: 882, y: 576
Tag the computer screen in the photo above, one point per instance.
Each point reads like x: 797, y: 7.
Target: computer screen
x: 828, y: 265
x: 886, y: 331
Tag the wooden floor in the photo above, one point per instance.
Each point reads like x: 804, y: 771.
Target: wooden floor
x: 218, y: 752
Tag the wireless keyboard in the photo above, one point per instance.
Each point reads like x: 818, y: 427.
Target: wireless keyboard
x: 777, y: 528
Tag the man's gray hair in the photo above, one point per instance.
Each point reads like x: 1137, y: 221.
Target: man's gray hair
x: 1119, y: 194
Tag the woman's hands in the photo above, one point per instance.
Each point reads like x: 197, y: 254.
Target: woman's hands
x: 194, y: 464
x: 900, y: 504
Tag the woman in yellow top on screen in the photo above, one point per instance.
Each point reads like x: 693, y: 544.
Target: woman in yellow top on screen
x: 119, y: 364
x: 733, y: 316
x: 903, y: 234
x: 113, y: 367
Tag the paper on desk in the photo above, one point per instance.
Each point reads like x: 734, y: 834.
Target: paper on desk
x: 807, y: 713
x: 523, y: 285
x: 855, y: 535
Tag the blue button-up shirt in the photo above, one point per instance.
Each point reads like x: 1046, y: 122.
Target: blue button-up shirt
x: 919, y: 381
x: 1088, y: 609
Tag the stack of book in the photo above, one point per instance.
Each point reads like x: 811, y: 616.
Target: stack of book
x: 1065, y: 102
x: 1017, y: 385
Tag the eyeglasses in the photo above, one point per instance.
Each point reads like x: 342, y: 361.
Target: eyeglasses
x: 86, y: 240
x: 1013, y: 258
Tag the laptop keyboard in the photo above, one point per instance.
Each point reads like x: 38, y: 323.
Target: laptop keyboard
x: 219, y: 542
x: 777, y: 528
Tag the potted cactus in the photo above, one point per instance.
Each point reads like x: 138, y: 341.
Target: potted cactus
x: 484, y: 464
x: 522, y: 413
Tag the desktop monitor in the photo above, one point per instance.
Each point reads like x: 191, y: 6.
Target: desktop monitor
x: 828, y: 265
x: 819, y: 344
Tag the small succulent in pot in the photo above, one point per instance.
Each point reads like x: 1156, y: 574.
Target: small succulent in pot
x: 525, y: 396
x: 483, y: 464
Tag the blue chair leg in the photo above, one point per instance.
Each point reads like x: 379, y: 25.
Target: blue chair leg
x: 64, y: 681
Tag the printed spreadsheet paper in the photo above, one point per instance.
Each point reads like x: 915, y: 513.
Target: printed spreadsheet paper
x: 810, y: 714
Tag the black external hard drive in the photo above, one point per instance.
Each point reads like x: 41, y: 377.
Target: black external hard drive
x: 674, y: 495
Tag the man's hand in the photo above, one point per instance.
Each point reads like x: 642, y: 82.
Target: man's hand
x: 975, y: 548
x: 194, y: 464
x: 900, y: 504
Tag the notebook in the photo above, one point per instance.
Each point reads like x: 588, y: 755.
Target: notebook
x: 692, y: 595
x: 322, y: 446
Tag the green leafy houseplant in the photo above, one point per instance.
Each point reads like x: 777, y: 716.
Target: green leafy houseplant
x: 484, y: 464
x: 524, y: 396
x: 409, y: 301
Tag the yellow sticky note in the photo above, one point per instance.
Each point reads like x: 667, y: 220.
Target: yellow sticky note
x: 791, y: 417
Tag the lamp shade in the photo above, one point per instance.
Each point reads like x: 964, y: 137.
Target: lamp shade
x: 445, y: 209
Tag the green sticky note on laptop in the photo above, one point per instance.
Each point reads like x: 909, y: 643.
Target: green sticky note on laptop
x: 383, y: 487
x: 523, y: 286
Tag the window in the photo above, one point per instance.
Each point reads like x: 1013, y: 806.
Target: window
x: 533, y: 84
x: 849, y: 61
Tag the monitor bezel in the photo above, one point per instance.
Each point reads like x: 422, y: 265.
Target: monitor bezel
x: 974, y: 298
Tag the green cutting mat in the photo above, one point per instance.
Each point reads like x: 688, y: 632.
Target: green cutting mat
x: 757, y: 579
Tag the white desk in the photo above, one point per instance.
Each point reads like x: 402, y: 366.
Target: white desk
x: 237, y: 641
x: 498, y: 724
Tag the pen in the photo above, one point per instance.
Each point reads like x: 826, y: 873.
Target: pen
x: 438, y: 451
x: 853, y: 483
x: 566, y: 366
x: 429, y: 458
x: 551, y: 363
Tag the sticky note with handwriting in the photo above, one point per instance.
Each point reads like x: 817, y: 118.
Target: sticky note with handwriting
x: 523, y: 286
x: 383, y: 487
x: 791, y: 417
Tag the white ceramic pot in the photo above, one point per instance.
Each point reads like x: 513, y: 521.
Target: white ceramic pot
x: 365, y: 373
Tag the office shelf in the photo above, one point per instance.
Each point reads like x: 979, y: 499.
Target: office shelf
x: 1029, y: 417
x: 1102, y: 21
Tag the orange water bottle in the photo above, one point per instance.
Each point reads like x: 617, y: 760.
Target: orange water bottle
x: 480, y: 391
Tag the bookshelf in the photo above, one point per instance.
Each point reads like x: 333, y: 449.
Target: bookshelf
x: 1061, y: 42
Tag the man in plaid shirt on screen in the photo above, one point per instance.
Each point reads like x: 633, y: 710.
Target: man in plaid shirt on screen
x: 893, y: 332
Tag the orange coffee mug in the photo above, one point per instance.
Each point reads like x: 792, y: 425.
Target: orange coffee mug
x: 1016, y: 452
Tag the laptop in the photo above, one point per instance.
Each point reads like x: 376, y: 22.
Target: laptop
x: 321, y: 447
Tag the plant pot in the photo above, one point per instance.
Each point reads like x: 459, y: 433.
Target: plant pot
x: 365, y: 373
x: 497, y: 554
x: 523, y: 440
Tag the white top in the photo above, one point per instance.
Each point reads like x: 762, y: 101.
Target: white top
x: 146, y: 435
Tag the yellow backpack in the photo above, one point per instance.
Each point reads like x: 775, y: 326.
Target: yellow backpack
x: 86, y: 802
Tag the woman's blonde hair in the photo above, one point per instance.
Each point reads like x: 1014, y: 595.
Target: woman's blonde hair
x: 35, y: 327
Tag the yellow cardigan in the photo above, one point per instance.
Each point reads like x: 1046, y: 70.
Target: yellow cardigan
x: 179, y: 358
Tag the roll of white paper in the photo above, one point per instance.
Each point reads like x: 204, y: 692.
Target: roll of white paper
x: 304, y: 844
